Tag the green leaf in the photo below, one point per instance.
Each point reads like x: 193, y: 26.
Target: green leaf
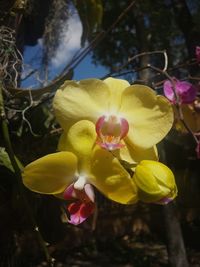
x: 4, y: 159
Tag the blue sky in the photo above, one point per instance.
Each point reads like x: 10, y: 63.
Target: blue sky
x: 69, y: 45
x: 86, y: 69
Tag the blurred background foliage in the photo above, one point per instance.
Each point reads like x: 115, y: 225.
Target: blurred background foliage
x: 113, y: 33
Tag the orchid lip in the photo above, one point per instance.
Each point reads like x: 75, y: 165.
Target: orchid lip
x: 110, y: 146
x: 110, y: 130
x: 80, y: 211
x: 82, y: 205
x: 86, y: 194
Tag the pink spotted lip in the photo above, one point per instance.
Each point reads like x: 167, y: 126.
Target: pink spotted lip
x: 83, y: 203
x: 110, y: 131
x: 80, y: 211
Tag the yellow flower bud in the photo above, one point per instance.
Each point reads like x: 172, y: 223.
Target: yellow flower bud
x: 155, y: 182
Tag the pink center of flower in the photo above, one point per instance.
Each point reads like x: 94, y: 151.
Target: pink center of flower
x: 83, y: 203
x: 110, y: 130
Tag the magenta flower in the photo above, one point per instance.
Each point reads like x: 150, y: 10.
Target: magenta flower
x: 83, y: 203
x: 80, y: 211
x: 197, y: 53
x: 185, y: 90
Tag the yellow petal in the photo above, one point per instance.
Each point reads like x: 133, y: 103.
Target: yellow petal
x: 160, y: 171
x: 111, y: 178
x: 116, y: 87
x: 80, y: 139
x: 149, y: 191
x: 63, y: 144
x: 150, y: 117
x: 87, y: 99
x: 155, y: 181
x: 50, y: 174
x: 134, y: 155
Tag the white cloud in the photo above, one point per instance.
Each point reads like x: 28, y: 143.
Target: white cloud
x: 70, y: 43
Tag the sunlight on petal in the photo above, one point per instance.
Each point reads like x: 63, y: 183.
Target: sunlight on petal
x: 150, y: 116
x: 155, y: 181
x: 116, y: 87
x: 82, y: 137
x: 86, y: 99
x: 111, y: 178
x: 133, y: 154
x: 51, y: 174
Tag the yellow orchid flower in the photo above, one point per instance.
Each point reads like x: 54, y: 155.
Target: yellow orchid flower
x: 155, y: 182
x: 124, y: 114
x: 72, y: 173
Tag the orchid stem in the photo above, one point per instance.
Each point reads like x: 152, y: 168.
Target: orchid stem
x: 178, y: 105
x: 18, y: 167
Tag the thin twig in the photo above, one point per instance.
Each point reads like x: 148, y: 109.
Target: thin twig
x: 73, y: 64
x: 177, y: 101
x: 131, y: 59
x: 23, y: 113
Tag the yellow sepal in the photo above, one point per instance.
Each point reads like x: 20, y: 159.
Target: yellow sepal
x: 51, y: 174
x: 155, y: 181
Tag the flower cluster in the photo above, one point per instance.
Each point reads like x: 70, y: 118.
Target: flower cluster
x: 185, y: 95
x: 105, y: 125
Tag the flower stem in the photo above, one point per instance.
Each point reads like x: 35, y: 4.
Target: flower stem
x: 18, y: 167
x: 178, y: 104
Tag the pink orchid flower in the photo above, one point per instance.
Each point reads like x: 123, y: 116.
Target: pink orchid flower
x: 185, y: 90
